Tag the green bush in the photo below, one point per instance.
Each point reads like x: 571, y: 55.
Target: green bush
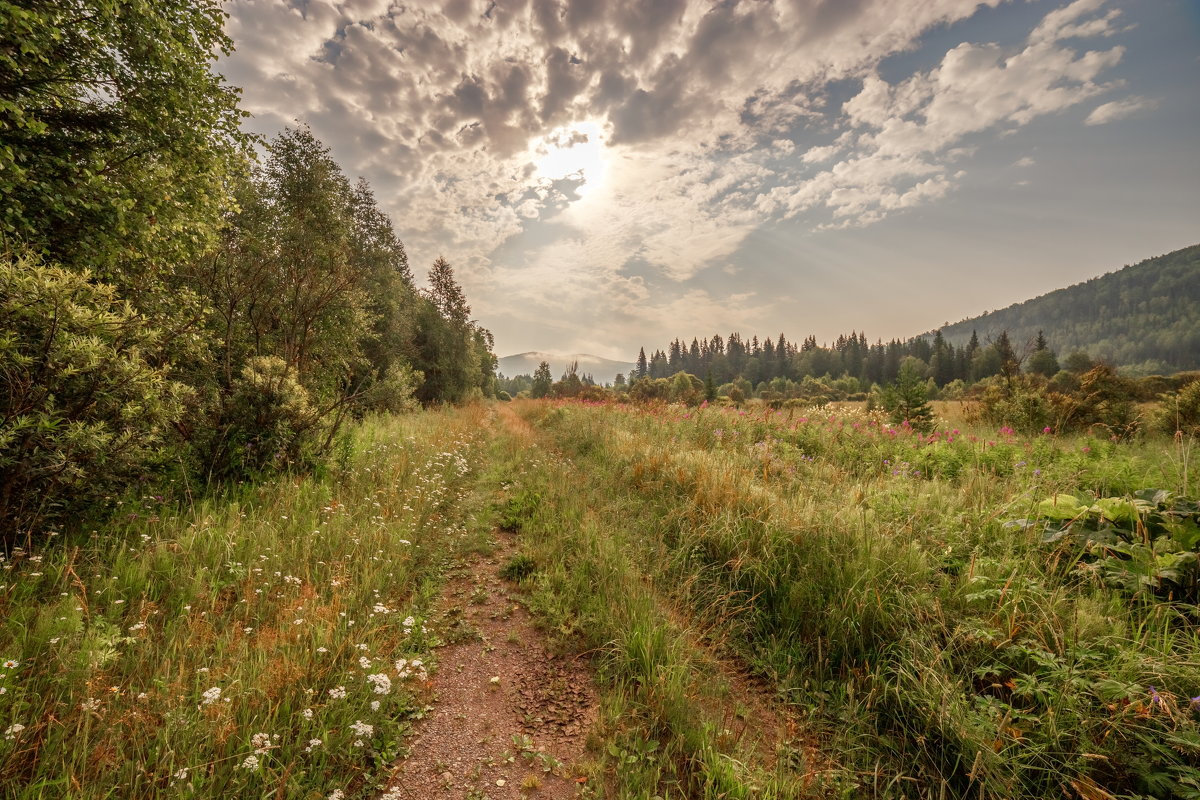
x: 268, y: 424
x: 84, y: 408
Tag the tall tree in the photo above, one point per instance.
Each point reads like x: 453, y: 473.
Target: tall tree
x: 115, y: 135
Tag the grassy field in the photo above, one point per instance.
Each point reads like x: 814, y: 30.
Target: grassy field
x: 776, y: 604
x: 893, y: 589
x: 246, y: 646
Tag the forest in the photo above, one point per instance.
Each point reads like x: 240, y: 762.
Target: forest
x: 1144, y: 318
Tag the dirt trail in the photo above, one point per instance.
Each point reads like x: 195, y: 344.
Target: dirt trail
x: 510, y: 718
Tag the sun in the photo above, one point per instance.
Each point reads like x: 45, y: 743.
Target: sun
x: 572, y: 151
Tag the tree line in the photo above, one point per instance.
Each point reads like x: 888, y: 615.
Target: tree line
x: 172, y: 303
x: 759, y: 365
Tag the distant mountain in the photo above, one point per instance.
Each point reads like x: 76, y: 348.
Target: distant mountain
x: 1145, y: 317
x: 602, y: 370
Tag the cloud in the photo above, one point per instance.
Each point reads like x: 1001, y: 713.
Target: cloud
x: 1118, y: 109
x: 714, y: 118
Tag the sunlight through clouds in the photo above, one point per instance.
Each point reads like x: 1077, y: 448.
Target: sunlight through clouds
x: 661, y: 137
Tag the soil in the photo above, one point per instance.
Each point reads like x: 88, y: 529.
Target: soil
x: 510, y: 717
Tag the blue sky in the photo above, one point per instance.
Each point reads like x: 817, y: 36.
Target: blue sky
x: 606, y: 174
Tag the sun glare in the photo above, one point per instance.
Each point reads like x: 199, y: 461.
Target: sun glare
x: 572, y: 151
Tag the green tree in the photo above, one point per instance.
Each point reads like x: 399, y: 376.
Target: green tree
x: 542, y: 381
x: 905, y: 398
x: 116, y: 137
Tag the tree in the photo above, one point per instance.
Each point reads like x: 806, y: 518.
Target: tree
x: 116, y: 138
x: 905, y: 398
x: 1042, y: 361
x: 542, y: 381
x: 642, y: 369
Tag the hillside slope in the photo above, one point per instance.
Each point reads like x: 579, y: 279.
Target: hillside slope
x: 1145, y: 317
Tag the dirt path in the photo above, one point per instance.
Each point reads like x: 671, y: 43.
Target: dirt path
x: 510, y: 718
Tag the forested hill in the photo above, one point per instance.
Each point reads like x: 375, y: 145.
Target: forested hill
x: 1145, y: 317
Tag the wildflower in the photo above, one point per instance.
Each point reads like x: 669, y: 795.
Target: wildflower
x: 91, y: 704
x: 137, y: 626
x: 10, y: 664
x: 358, y: 742
x: 307, y: 713
x: 181, y: 774
x: 338, y: 693
x: 211, y: 696
x: 312, y: 745
x: 299, y: 621
x: 251, y: 763
x: 381, y: 682
x: 336, y: 794
x: 361, y: 728
x: 374, y: 705
x: 260, y: 742
x: 364, y: 662
x: 12, y: 731
x: 322, y: 649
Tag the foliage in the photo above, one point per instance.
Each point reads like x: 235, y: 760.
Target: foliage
x: 542, y: 381
x: 116, y: 138
x: 905, y: 399
x: 83, y: 410
x: 1148, y: 543
x: 1180, y: 411
x: 1145, y: 316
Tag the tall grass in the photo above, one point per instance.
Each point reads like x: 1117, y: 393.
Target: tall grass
x: 870, y: 573
x: 246, y: 645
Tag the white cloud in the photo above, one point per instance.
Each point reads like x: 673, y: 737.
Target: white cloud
x: 1118, y: 109
x: 714, y: 118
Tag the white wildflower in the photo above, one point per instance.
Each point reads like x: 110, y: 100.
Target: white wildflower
x: 338, y: 693
x: 251, y: 763
x: 211, y: 696
x: 12, y: 731
x: 312, y: 745
x: 361, y: 728
x: 307, y: 713
x: 381, y: 682
x: 260, y: 742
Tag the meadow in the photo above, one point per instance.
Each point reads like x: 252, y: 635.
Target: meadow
x: 797, y: 603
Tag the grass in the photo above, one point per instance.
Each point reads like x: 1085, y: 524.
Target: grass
x: 867, y: 573
x: 223, y: 650
x: 777, y: 605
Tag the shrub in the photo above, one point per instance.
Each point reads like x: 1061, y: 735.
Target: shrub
x: 1180, y: 411
x: 268, y: 424
x: 83, y: 406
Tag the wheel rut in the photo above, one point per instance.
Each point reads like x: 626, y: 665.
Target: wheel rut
x: 510, y: 718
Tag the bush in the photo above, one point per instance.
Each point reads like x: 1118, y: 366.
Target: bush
x: 1180, y: 411
x: 83, y: 408
x: 268, y: 424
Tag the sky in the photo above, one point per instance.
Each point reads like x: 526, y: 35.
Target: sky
x: 610, y: 174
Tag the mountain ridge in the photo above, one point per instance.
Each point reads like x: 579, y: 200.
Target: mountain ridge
x: 1144, y: 316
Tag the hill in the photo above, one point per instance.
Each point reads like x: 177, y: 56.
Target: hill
x: 602, y: 370
x: 1145, y: 317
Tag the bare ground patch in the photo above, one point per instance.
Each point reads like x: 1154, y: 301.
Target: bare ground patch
x: 510, y: 718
